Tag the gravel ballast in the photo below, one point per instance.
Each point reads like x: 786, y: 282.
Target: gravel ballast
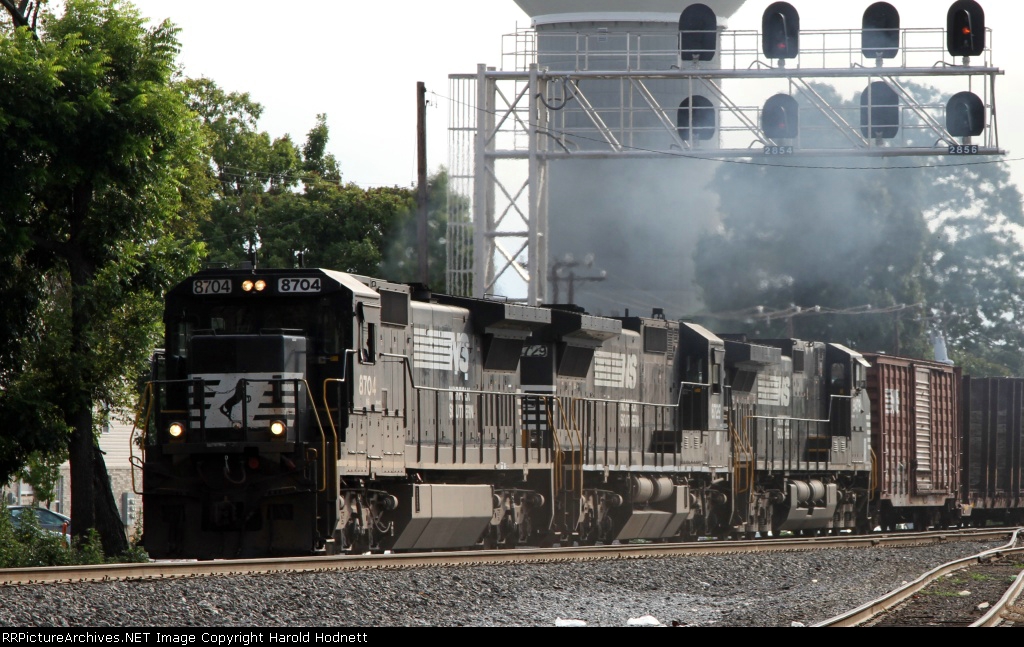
x: 766, y: 589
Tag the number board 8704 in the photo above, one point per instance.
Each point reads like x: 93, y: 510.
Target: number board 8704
x: 298, y: 284
x: 211, y: 286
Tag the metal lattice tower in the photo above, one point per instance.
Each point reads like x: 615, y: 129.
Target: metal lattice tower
x: 607, y: 96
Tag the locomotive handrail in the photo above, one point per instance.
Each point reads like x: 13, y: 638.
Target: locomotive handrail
x: 788, y: 420
x: 438, y: 390
x: 323, y: 437
x: 572, y: 432
x: 575, y: 427
x: 569, y: 425
x: 686, y: 383
x: 330, y: 418
x: 145, y: 399
x: 743, y: 446
x: 556, y: 444
x: 327, y: 404
x: 408, y: 368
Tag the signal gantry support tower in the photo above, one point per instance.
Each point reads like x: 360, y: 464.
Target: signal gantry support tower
x: 591, y: 108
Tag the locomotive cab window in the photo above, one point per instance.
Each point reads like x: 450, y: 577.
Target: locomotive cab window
x: 837, y: 376
x: 394, y: 308
x: 859, y: 380
x: 367, y: 341
x: 330, y: 333
x: 693, y: 371
x: 368, y: 352
x: 860, y: 373
x: 183, y: 332
x: 717, y: 358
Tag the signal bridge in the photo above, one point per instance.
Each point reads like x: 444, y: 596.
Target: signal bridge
x: 693, y: 90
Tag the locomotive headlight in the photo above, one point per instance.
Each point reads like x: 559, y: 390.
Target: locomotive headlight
x: 260, y: 285
x: 277, y: 428
x: 176, y: 430
x: 246, y: 286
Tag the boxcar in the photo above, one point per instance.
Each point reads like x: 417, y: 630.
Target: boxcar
x: 915, y: 438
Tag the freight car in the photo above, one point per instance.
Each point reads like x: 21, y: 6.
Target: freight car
x: 992, y: 446
x: 307, y: 410
x: 915, y: 437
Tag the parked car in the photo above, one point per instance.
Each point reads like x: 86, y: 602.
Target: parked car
x: 48, y: 519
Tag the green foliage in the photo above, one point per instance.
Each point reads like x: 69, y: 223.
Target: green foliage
x: 31, y: 546
x: 338, y: 227
x: 135, y: 554
x: 90, y: 549
x: 276, y: 201
x: 42, y: 471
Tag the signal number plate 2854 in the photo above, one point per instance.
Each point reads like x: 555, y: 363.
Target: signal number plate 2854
x: 299, y: 284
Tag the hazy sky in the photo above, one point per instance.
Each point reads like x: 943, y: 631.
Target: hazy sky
x: 359, y: 63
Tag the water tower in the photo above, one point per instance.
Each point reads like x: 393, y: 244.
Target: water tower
x: 620, y: 232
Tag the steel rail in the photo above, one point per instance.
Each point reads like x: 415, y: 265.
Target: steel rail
x: 1000, y: 611
x: 169, y: 569
x: 873, y: 608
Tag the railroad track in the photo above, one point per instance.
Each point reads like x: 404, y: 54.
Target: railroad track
x: 191, y: 568
x: 978, y: 591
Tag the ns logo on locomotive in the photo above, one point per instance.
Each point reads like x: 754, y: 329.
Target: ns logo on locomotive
x: 311, y: 411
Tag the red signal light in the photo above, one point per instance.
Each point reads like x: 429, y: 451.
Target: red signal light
x: 965, y: 31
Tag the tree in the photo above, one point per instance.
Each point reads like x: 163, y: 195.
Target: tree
x: 249, y: 167
x: 24, y: 13
x: 103, y: 175
x: 276, y: 201
x: 333, y: 225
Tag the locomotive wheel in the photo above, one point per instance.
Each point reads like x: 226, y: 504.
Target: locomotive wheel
x: 587, y: 534
x: 506, y: 533
x: 355, y: 539
x: 490, y: 539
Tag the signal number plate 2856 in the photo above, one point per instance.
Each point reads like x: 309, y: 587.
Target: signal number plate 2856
x: 299, y: 284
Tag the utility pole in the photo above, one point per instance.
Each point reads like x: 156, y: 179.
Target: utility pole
x: 556, y: 276
x: 421, y: 193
